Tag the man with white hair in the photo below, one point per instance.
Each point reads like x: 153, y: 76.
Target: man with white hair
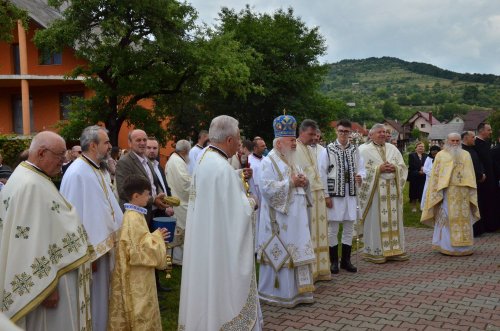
x: 285, y: 251
x: 85, y: 188
x: 381, y: 199
x: 451, y: 202
x: 218, y: 288
x: 44, y: 252
x: 178, y: 177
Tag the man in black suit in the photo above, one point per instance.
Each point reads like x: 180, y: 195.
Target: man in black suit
x: 486, y: 189
x: 468, y: 145
x: 152, y: 151
x: 75, y: 152
x: 136, y: 162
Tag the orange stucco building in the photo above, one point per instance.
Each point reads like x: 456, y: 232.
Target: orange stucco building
x: 34, y: 92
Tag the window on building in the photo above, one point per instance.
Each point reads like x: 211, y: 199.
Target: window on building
x: 48, y: 58
x: 16, y: 60
x: 65, y: 102
x: 422, y: 126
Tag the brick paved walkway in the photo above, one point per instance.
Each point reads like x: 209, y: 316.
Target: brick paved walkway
x: 429, y: 292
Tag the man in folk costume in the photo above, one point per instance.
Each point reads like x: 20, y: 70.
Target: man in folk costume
x: 306, y: 160
x: 285, y: 250
x: 44, y: 253
x: 381, y: 199
x: 85, y: 188
x: 195, y: 152
x: 341, y: 170
x: 451, y: 202
x: 218, y: 288
x: 179, y: 179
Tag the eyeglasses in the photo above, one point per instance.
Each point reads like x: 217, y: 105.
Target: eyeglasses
x: 344, y: 131
x: 59, y: 155
x: 79, y: 152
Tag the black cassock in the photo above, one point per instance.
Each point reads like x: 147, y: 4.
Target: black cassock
x: 489, y: 222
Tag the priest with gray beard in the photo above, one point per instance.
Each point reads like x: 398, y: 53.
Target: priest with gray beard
x: 451, y: 201
x: 284, y: 247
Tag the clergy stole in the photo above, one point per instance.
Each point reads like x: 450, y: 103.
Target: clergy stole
x: 276, y: 253
x: 458, y: 178
x: 389, y: 187
x: 42, y: 239
x: 318, y: 223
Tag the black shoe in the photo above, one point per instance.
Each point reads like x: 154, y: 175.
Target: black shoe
x: 334, y: 259
x: 345, y: 263
x: 160, y: 288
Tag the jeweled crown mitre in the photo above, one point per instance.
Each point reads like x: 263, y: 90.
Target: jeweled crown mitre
x: 285, y: 126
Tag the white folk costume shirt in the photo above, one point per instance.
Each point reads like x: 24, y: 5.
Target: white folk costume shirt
x: 218, y: 289
x: 334, y: 164
x: 43, y: 246
x: 194, y: 154
x: 285, y: 204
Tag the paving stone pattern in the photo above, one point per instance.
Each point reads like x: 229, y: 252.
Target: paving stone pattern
x: 429, y: 292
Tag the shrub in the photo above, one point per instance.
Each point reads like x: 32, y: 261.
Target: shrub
x: 11, y: 146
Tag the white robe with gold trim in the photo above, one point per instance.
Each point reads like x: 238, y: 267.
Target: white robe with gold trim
x: 179, y: 180
x: 218, y: 288
x: 381, y: 204
x: 91, y: 194
x: 293, y: 283
x: 43, y: 246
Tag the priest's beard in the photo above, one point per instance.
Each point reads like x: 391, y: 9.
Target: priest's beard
x: 288, y: 154
x: 455, y: 151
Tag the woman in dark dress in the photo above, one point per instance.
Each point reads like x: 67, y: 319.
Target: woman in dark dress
x: 416, y: 175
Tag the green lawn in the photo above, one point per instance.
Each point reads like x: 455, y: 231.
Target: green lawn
x: 169, y: 302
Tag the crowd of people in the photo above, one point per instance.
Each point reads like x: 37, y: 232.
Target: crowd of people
x: 88, y: 257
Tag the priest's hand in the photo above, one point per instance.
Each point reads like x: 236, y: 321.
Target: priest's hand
x: 169, y: 211
x: 387, y: 167
x: 299, y: 180
x: 52, y: 300
x: 248, y: 173
x: 160, y: 201
x: 358, y: 179
x: 164, y: 233
x: 329, y: 202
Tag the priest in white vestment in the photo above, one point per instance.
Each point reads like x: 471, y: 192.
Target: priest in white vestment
x: 85, y: 187
x: 451, y: 200
x: 254, y: 161
x: 381, y: 199
x: 218, y: 288
x: 285, y: 251
x: 195, y: 152
x: 306, y: 160
x: 179, y: 180
x: 44, y: 253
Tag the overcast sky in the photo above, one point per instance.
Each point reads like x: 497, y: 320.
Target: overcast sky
x: 459, y: 35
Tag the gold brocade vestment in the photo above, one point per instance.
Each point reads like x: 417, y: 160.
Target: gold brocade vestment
x: 457, y: 178
x: 133, y: 301
x: 318, y: 223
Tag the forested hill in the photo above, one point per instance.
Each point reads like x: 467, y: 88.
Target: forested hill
x: 385, y: 62
x: 387, y: 87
